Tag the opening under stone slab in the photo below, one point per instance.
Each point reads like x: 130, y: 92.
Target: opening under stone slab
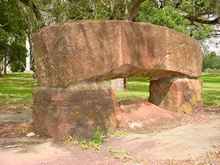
x: 137, y: 89
x: 167, y: 94
x: 134, y: 112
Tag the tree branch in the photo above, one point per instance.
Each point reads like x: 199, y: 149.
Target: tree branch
x: 203, y: 21
x: 31, y: 4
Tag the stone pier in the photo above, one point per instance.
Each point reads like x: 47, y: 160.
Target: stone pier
x: 176, y: 94
x: 79, y: 109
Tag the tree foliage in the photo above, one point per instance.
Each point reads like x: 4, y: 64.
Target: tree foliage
x: 181, y: 15
x: 211, y: 61
x: 174, y: 18
x: 17, y: 20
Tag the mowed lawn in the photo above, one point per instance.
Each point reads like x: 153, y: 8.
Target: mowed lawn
x: 139, y: 88
x: 17, y: 88
x: 211, y: 89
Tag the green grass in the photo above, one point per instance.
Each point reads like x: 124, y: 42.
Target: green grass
x: 211, y: 89
x: 17, y: 88
x: 95, y: 142
x: 138, y: 88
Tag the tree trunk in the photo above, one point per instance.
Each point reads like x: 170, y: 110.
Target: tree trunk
x: 125, y: 82
x: 5, y: 66
x: 133, y: 12
x: 5, y: 60
x: 1, y: 66
x: 31, y: 50
x: 29, y: 54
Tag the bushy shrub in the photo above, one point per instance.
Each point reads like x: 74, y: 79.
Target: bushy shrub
x: 211, y: 61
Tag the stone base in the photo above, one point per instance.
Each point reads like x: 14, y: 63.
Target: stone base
x: 76, y: 111
x: 176, y: 94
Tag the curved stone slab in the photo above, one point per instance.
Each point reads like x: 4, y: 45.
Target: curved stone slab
x: 68, y: 53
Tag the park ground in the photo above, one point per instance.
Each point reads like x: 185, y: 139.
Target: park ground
x: 190, y: 139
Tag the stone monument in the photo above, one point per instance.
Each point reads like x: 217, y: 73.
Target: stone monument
x: 75, y: 61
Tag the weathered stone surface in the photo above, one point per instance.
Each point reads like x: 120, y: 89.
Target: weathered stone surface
x: 101, y: 50
x: 73, y: 112
x: 176, y: 94
x: 143, y: 116
x: 73, y: 58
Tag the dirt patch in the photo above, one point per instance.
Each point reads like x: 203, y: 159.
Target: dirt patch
x: 15, y: 120
x: 139, y: 116
x: 15, y: 108
x: 187, y: 140
x: 12, y: 130
x: 192, y: 141
x: 52, y: 154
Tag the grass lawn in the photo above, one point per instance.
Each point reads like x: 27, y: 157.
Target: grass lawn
x: 138, y: 88
x: 211, y: 89
x: 17, y: 88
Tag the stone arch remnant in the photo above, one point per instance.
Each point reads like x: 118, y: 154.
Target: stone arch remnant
x: 74, y: 60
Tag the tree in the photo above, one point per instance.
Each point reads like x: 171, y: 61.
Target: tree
x: 18, y: 18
